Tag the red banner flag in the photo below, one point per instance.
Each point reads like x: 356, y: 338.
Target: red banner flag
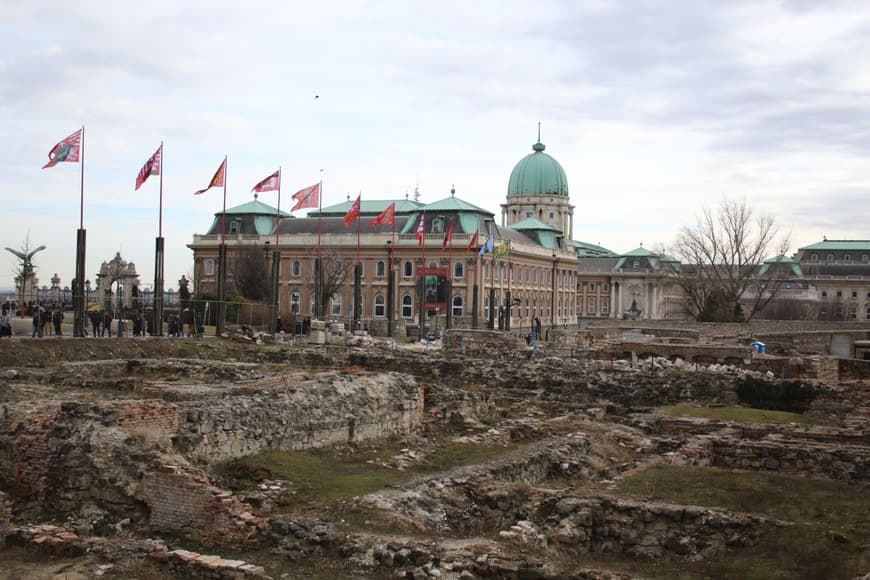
x: 271, y: 183
x: 420, y: 231
x: 472, y: 245
x: 151, y: 167
x: 386, y: 217
x: 307, y: 197
x: 65, y: 151
x: 448, y: 235
x: 353, y: 213
x: 217, y: 180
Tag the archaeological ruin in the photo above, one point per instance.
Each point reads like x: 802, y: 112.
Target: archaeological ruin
x: 622, y: 449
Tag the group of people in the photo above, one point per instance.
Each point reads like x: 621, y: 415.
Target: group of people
x: 45, y: 319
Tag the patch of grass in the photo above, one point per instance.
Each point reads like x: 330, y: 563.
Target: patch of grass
x: 792, y: 498
x: 831, y: 521
x: 325, y: 475
x: 739, y: 414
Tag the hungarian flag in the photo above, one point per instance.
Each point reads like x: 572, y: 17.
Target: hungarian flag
x: 151, y: 167
x: 386, y: 217
x: 472, y: 245
x: 353, y: 213
x: 271, y: 183
x: 420, y: 232
x: 448, y: 235
x: 217, y: 180
x: 65, y: 151
x: 307, y: 197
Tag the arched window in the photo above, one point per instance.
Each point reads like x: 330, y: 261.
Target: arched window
x: 408, y: 269
x: 458, y: 269
x: 209, y: 267
x: 432, y: 264
x: 457, y: 306
x: 380, y: 269
x: 296, y: 270
x: 295, y: 297
x: 380, y: 306
x: 407, y: 306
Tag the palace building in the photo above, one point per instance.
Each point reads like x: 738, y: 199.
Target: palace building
x: 530, y: 273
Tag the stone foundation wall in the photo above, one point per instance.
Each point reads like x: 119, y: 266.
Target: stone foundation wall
x: 642, y: 529
x: 489, y: 343
x: 333, y: 408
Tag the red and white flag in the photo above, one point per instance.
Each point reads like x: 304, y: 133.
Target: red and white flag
x: 472, y: 245
x: 217, y: 180
x: 307, y: 197
x: 66, y: 151
x: 151, y: 167
x: 420, y: 232
x: 271, y: 183
x: 353, y: 213
x: 386, y: 217
x: 448, y: 236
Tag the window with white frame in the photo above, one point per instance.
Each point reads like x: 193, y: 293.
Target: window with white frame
x: 457, y: 306
x: 295, y: 298
x: 458, y: 269
x: 380, y: 269
x: 209, y: 267
x: 407, y: 306
x: 380, y: 305
x: 486, y: 307
x: 408, y: 269
x: 335, y: 305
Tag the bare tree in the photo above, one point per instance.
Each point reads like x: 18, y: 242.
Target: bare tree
x: 250, y: 273
x: 722, y: 257
x: 335, y: 272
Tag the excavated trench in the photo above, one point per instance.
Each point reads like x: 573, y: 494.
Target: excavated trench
x: 102, y: 448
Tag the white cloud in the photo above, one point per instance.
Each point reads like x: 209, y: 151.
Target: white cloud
x: 654, y: 109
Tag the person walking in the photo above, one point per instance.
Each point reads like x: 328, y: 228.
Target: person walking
x: 37, y: 323
x: 5, y: 324
x: 107, y: 324
x: 57, y: 319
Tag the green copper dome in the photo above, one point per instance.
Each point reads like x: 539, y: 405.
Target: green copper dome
x: 538, y: 174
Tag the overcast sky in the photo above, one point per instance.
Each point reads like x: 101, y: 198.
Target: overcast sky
x: 655, y: 109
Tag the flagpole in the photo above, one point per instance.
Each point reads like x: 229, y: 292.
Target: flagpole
x: 157, y: 322
x: 224, y: 214
x: 275, y: 274
x: 160, y: 219
x: 222, y: 263
x: 423, y: 282
x: 318, y: 273
x: 278, y: 211
x: 449, y: 314
x: 81, y: 250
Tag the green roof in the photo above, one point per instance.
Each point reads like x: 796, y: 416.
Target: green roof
x: 255, y: 207
x: 371, y: 206
x: 639, y: 252
x: 792, y: 266
x: 587, y: 250
x: 533, y: 224
x: 538, y: 174
x: 839, y: 245
x: 453, y: 203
